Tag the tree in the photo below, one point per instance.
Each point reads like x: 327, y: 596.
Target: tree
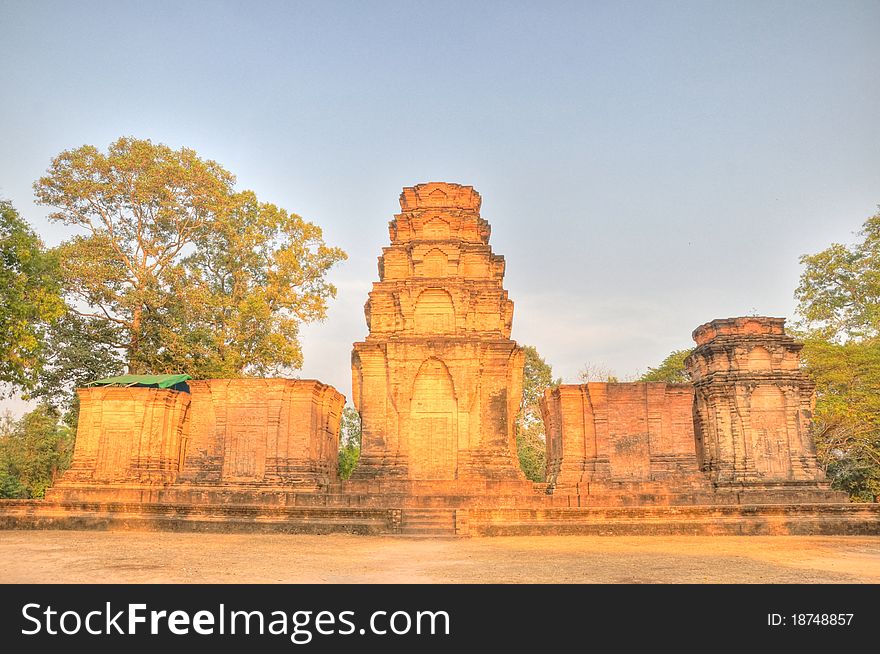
x: 30, y: 299
x: 839, y: 305
x: 530, y: 436
x: 671, y: 370
x: 78, y: 351
x: 253, y: 279
x: 33, y: 452
x: 839, y: 291
x: 176, y: 270
x: 846, y: 420
x: 349, y: 442
x: 141, y: 205
x: 10, y: 485
x: 591, y: 372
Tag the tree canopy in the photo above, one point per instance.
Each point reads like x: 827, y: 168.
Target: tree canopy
x: 30, y: 299
x: 839, y: 291
x: 34, y: 450
x: 839, y: 305
x: 177, y: 271
x: 79, y: 350
x: 254, y: 277
x: 141, y: 206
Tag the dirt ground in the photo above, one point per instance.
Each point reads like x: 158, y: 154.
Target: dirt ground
x: 150, y: 557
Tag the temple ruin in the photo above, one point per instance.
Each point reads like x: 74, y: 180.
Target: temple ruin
x: 437, y: 382
x: 740, y: 433
x: 753, y: 404
x: 221, y: 439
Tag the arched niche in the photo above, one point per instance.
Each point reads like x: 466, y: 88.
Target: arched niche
x: 759, y: 358
x: 434, y: 312
x: 436, y: 229
x: 433, y: 426
x: 435, y: 263
x: 768, y: 437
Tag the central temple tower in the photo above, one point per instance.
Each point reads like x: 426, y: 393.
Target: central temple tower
x: 437, y: 381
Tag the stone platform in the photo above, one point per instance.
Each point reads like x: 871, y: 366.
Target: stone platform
x: 442, y: 517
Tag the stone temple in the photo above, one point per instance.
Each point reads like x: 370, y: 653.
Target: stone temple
x: 437, y: 382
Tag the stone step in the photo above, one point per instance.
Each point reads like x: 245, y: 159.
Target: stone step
x: 764, y: 519
x: 438, y: 524
x: 428, y: 533
x: 427, y: 522
x: 445, y: 517
x: 428, y: 514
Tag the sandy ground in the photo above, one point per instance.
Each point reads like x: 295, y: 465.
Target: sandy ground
x: 150, y: 557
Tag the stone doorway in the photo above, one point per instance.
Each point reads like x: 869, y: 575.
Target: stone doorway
x: 433, y: 451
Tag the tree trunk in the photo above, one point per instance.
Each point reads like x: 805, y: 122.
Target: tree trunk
x: 134, y: 342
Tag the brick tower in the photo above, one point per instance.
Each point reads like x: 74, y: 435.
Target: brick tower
x: 753, y: 404
x: 438, y: 381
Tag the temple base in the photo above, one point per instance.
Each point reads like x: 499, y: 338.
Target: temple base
x: 443, y: 517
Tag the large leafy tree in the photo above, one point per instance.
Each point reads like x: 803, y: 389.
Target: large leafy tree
x: 254, y: 278
x: 178, y: 272
x: 671, y: 370
x: 29, y: 299
x: 530, y: 436
x: 839, y: 305
x: 141, y: 206
x: 839, y: 291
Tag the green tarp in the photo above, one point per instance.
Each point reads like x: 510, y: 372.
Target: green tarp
x: 177, y: 382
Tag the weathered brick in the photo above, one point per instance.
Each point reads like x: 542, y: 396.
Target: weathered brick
x: 438, y: 381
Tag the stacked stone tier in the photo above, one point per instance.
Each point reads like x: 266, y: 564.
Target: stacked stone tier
x: 437, y: 380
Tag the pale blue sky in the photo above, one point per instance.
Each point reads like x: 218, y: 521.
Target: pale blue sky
x: 645, y: 166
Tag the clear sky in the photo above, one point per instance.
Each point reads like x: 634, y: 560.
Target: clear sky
x: 645, y: 166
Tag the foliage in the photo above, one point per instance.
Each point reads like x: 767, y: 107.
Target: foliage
x: 349, y: 442
x: 29, y: 299
x: 671, y: 370
x: 530, y: 437
x: 839, y: 291
x: 531, y: 447
x: 178, y: 271
x: 253, y: 279
x: 80, y: 352
x: 141, y: 206
x: 839, y: 303
x: 847, y: 415
x: 33, y: 452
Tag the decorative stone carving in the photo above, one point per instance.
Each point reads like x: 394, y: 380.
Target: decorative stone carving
x: 604, y: 432
x: 129, y: 435
x: 244, y: 433
x: 437, y: 381
x: 753, y: 404
x: 282, y: 432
